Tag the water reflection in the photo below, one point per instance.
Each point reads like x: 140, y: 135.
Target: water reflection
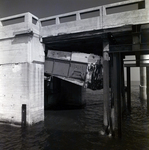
x: 79, y: 129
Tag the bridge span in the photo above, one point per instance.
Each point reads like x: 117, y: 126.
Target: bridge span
x: 25, y: 39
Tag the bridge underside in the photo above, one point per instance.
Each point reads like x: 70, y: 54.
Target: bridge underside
x: 115, y: 43
x: 120, y: 39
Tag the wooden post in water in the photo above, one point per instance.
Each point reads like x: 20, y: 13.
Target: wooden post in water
x: 106, y: 83
x: 119, y: 94
x: 23, y: 115
x: 128, y: 90
x: 123, y: 87
x: 113, y: 121
x: 116, y: 77
x: 147, y: 72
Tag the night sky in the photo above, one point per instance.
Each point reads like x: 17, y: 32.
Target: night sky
x: 45, y: 8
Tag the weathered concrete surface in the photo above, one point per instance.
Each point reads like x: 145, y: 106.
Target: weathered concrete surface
x: 21, y: 72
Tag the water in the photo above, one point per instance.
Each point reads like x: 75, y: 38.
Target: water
x: 80, y: 129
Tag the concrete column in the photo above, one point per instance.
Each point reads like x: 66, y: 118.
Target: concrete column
x: 143, y: 94
x: 106, y: 97
x: 21, y: 73
x: 143, y: 80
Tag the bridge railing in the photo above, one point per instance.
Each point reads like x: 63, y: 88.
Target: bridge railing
x: 18, y: 24
x: 130, y: 12
x: 72, y: 22
x: 79, y: 21
x: 77, y: 15
x: 97, y: 18
x: 119, y: 4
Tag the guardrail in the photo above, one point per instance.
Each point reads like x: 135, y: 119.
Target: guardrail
x: 79, y: 21
x: 24, y: 17
x: 92, y: 12
x: 77, y: 15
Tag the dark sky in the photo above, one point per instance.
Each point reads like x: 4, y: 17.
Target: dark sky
x: 45, y: 8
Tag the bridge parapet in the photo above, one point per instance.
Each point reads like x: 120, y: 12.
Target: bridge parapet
x: 21, y: 69
x: 18, y: 24
x: 140, y: 14
x: 72, y: 22
x: 97, y: 18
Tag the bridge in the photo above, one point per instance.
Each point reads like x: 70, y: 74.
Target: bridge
x: 25, y: 39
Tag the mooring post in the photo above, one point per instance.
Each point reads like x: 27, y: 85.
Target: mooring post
x: 106, y: 83
x: 23, y: 115
x: 128, y: 90
x: 147, y: 72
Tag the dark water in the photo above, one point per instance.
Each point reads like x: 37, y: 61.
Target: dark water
x: 79, y: 129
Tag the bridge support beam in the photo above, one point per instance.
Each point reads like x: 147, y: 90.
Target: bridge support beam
x: 106, y: 116
x: 143, y: 86
x: 128, y: 89
x: 116, y: 69
x: 147, y: 72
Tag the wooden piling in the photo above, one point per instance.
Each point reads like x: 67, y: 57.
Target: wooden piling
x: 117, y: 91
x: 113, y: 125
x: 123, y: 87
x: 128, y: 90
x: 147, y: 72
x: 119, y: 106
x: 106, y: 83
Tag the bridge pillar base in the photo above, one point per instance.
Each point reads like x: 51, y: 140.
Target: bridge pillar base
x: 21, y: 79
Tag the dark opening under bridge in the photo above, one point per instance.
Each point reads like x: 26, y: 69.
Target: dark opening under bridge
x: 24, y: 38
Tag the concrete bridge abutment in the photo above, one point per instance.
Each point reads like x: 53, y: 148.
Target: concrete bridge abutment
x: 21, y: 71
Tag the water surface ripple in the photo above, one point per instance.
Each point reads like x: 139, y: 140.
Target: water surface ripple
x: 79, y: 129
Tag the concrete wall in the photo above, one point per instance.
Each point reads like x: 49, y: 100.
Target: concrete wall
x: 21, y: 74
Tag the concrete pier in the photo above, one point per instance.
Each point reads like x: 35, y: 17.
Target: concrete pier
x: 21, y: 71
